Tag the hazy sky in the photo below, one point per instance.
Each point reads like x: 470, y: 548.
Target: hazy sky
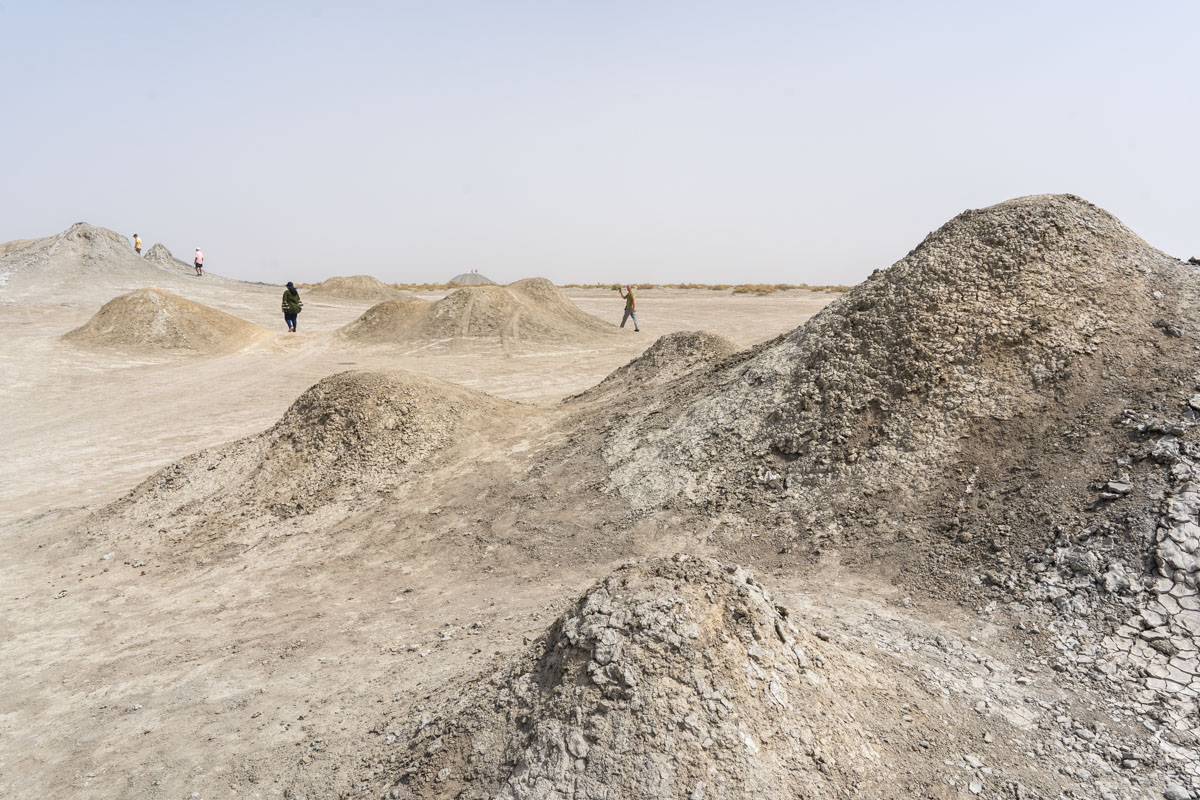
x: 602, y: 141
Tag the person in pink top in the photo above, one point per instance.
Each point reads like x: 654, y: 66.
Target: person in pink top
x: 199, y: 262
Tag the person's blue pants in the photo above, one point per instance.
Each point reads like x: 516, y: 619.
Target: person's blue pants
x: 630, y: 314
x: 290, y: 319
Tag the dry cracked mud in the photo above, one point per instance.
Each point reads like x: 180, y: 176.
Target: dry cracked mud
x: 938, y: 541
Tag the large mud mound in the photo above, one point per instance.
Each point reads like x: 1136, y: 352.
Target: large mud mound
x: 1013, y: 321
x: 667, y: 360
x: 530, y: 310
x: 357, y: 289
x: 73, y: 265
x: 471, y: 279
x: 352, y: 437
x: 678, y: 678
x: 156, y: 319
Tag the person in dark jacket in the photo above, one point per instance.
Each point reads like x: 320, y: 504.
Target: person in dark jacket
x: 291, y: 306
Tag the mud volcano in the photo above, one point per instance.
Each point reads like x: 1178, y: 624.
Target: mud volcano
x: 665, y: 362
x: 356, y: 288
x: 353, y: 436
x: 161, y: 257
x: 471, y: 279
x: 154, y: 319
x: 971, y: 355
x: 531, y: 310
x: 73, y: 265
x: 674, y: 677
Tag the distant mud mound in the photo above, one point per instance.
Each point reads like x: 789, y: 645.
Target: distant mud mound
x: 353, y: 436
x: 674, y: 678
x: 156, y: 319
x: 75, y: 265
x: 357, y: 289
x: 531, y: 310
x: 161, y: 257
x: 664, y: 362
x: 471, y: 279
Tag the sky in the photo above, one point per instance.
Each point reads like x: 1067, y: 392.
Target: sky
x: 709, y: 142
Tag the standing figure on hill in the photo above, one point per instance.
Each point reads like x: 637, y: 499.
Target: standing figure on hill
x: 137, y: 244
x: 630, y: 307
x: 199, y: 262
x: 291, y: 306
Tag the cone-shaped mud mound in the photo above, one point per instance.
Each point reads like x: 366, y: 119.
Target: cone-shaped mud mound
x: 352, y: 436
x: 156, y: 319
x: 664, y: 362
x: 1031, y: 316
x: 676, y: 678
x: 471, y: 279
x: 401, y: 320
x: 357, y: 289
x: 531, y: 310
x: 161, y: 257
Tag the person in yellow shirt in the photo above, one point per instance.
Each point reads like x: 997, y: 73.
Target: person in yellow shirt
x: 630, y: 307
x: 137, y: 244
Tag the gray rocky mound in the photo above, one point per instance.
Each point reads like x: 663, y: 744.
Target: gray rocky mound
x: 161, y: 257
x: 471, y: 279
x: 1041, y: 312
x: 356, y: 288
x: 353, y: 436
x: 74, y: 265
x: 678, y: 678
x: 530, y: 310
x: 159, y: 320
x: 667, y: 360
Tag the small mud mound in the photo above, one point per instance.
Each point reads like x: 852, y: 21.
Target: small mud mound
x: 352, y: 436
x: 665, y: 361
x: 156, y: 319
x: 471, y: 279
x: 390, y: 321
x: 161, y: 257
x: 357, y: 289
x: 680, y: 678
x: 531, y: 310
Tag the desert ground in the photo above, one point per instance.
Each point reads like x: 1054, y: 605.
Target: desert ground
x: 936, y: 542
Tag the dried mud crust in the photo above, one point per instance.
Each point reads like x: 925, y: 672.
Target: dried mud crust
x: 682, y: 677
x: 159, y: 320
x: 530, y: 310
x: 352, y: 438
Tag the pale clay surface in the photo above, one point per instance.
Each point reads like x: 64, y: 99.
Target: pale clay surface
x: 242, y: 563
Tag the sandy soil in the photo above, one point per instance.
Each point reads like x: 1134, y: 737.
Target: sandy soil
x: 164, y: 678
